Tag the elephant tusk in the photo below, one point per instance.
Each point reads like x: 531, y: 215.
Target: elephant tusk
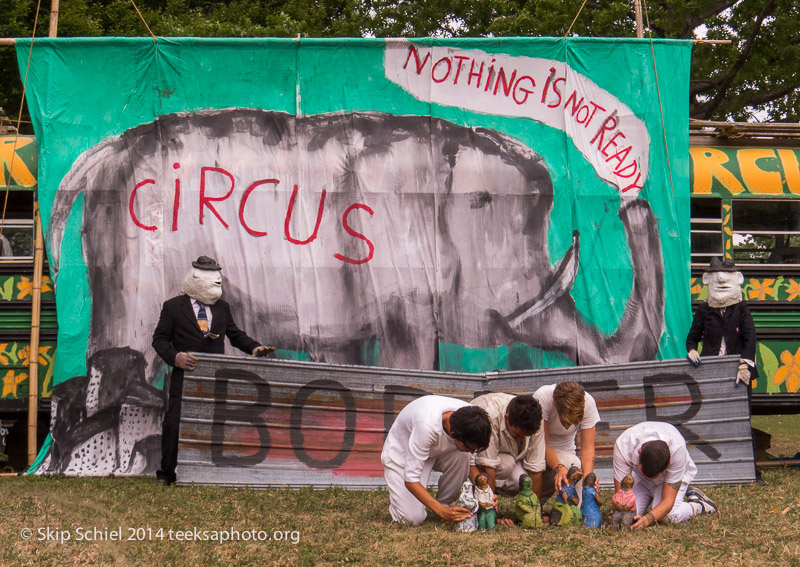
x: 562, y: 283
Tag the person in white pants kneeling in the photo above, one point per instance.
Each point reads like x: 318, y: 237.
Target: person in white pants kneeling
x: 432, y: 433
x: 655, y: 454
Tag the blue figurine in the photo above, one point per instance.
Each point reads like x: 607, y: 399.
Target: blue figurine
x: 590, y: 505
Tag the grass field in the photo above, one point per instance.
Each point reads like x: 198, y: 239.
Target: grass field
x: 757, y: 525
x: 785, y: 431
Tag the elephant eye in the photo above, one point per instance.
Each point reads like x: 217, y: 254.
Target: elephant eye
x: 479, y: 199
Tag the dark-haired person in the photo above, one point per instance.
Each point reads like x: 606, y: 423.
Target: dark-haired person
x: 567, y: 410
x: 655, y: 454
x: 432, y: 433
x: 517, y: 445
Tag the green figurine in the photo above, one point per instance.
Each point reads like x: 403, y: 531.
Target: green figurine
x: 526, y: 504
x: 565, y: 509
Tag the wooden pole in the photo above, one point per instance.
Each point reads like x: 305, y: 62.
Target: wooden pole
x: 778, y: 463
x: 637, y: 8
x: 53, y: 18
x: 36, y: 305
x: 33, y: 356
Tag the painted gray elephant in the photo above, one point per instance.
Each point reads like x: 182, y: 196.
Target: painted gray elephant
x: 356, y: 238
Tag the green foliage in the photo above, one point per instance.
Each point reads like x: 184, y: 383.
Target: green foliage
x: 758, y: 74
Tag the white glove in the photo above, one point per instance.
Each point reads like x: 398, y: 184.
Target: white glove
x: 263, y: 350
x: 694, y: 357
x: 186, y: 361
x: 744, y: 374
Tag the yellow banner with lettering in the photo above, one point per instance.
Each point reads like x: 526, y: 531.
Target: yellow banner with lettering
x: 734, y: 171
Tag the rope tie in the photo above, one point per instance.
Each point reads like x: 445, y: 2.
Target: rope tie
x: 135, y: 7
x: 575, y: 19
x: 19, y: 118
x: 660, y: 106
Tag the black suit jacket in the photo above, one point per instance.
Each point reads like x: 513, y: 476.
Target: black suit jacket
x: 178, y: 331
x: 737, y: 326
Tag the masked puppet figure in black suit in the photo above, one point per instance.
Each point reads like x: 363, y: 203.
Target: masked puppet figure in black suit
x: 195, y: 321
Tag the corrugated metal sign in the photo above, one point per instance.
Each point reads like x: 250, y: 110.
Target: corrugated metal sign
x: 259, y: 423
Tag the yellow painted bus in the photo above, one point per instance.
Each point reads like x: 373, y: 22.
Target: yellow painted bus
x: 745, y: 205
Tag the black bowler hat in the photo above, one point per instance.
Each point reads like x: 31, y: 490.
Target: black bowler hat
x: 206, y: 263
x: 718, y: 265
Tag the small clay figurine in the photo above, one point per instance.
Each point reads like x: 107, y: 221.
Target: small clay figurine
x: 591, y: 502
x: 565, y: 509
x: 624, y: 504
x: 467, y: 500
x: 526, y: 504
x: 487, y: 515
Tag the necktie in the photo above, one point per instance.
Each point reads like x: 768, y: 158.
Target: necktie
x: 202, y: 318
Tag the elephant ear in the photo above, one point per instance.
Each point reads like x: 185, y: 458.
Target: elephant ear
x: 79, y: 179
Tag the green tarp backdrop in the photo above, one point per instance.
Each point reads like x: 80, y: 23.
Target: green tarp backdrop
x: 470, y: 205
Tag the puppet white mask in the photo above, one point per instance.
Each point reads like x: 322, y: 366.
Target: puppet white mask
x: 724, y: 288
x: 203, y: 285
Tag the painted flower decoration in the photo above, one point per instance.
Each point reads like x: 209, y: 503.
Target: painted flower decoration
x: 793, y: 289
x: 4, y: 360
x: 760, y: 289
x: 11, y: 381
x: 24, y: 355
x: 25, y: 287
x: 789, y: 372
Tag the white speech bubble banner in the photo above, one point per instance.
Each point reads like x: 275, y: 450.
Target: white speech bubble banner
x: 614, y: 140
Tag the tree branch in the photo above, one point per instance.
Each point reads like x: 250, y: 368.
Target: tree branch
x: 737, y: 66
x: 700, y: 86
x: 753, y: 98
x: 690, y: 23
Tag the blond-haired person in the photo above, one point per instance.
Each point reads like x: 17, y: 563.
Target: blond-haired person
x: 566, y: 411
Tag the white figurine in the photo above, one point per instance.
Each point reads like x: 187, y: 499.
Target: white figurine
x: 467, y: 500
